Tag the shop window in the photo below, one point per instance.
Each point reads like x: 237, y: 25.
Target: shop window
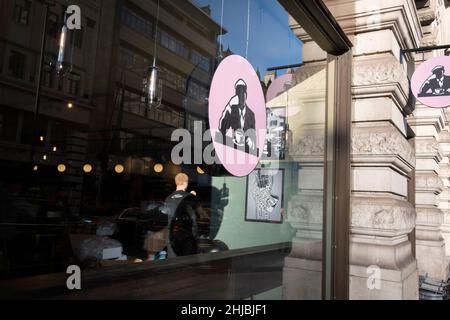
x: 17, y: 62
x: 21, y: 11
x: 101, y: 142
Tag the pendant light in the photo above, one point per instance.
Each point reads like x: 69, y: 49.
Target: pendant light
x: 152, y: 79
x: 62, y: 49
x: 62, y: 69
x: 153, y: 87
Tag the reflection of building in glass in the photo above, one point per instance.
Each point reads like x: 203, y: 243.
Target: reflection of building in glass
x: 66, y: 103
x: 126, y: 130
x: 81, y: 117
x: 277, y: 134
x: 302, y: 107
x: 99, y: 151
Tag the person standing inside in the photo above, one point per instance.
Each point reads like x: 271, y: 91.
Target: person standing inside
x: 183, y: 231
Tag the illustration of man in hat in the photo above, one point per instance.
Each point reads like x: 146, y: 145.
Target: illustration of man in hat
x: 437, y: 84
x: 238, y: 117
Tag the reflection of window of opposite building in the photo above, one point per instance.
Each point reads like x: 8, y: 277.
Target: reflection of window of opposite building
x: 164, y: 38
x: 171, y: 79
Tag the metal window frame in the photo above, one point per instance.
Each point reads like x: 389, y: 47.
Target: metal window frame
x: 319, y: 23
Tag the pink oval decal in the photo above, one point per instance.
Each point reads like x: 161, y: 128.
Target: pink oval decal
x: 431, y: 82
x: 237, y: 116
x: 278, y: 86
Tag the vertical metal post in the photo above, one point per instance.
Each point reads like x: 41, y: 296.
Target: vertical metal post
x: 39, y: 82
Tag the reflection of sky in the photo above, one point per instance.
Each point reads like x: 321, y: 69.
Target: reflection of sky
x: 271, y: 41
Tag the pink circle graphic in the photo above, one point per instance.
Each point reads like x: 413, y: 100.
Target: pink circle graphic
x: 430, y: 83
x: 237, y: 115
x: 278, y: 86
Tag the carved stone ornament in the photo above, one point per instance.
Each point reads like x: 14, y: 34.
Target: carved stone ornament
x: 382, y: 216
x: 384, y: 140
x: 378, y: 72
x: 430, y: 216
x: 429, y: 181
x: 311, y: 145
x: 306, y: 209
x: 428, y: 146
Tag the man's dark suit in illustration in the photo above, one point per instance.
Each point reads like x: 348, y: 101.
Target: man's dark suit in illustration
x: 239, y: 118
x: 438, y: 84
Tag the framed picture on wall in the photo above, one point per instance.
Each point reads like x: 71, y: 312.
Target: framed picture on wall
x: 264, y: 200
x: 275, y: 146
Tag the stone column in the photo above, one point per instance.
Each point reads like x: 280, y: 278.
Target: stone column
x: 444, y: 197
x: 428, y: 124
x: 382, y: 158
x: 430, y: 251
x: 306, y: 104
x: 382, y: 265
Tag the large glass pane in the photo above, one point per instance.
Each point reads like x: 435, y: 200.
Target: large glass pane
x: 89, y: 172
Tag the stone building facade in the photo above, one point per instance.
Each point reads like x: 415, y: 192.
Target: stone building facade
x: 400, y: 220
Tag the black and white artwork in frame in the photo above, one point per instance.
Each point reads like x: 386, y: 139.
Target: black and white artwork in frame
x: 265, y: 196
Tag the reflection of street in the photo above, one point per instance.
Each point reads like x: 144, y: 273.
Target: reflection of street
x: 303, y: 104
x: 32, y: 233
x: 97, y: 148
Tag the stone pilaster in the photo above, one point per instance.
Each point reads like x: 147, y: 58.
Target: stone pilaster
x: 428, y: 124
x: 306, y: 105
x: 382, y: 157
x: 430, y: 250
x: 444, y: 197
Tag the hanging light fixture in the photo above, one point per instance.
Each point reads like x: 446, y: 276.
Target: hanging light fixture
x: 153, y: 87
x: 152, y: 80
x: 62, y: 49
x: 63, y: 68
